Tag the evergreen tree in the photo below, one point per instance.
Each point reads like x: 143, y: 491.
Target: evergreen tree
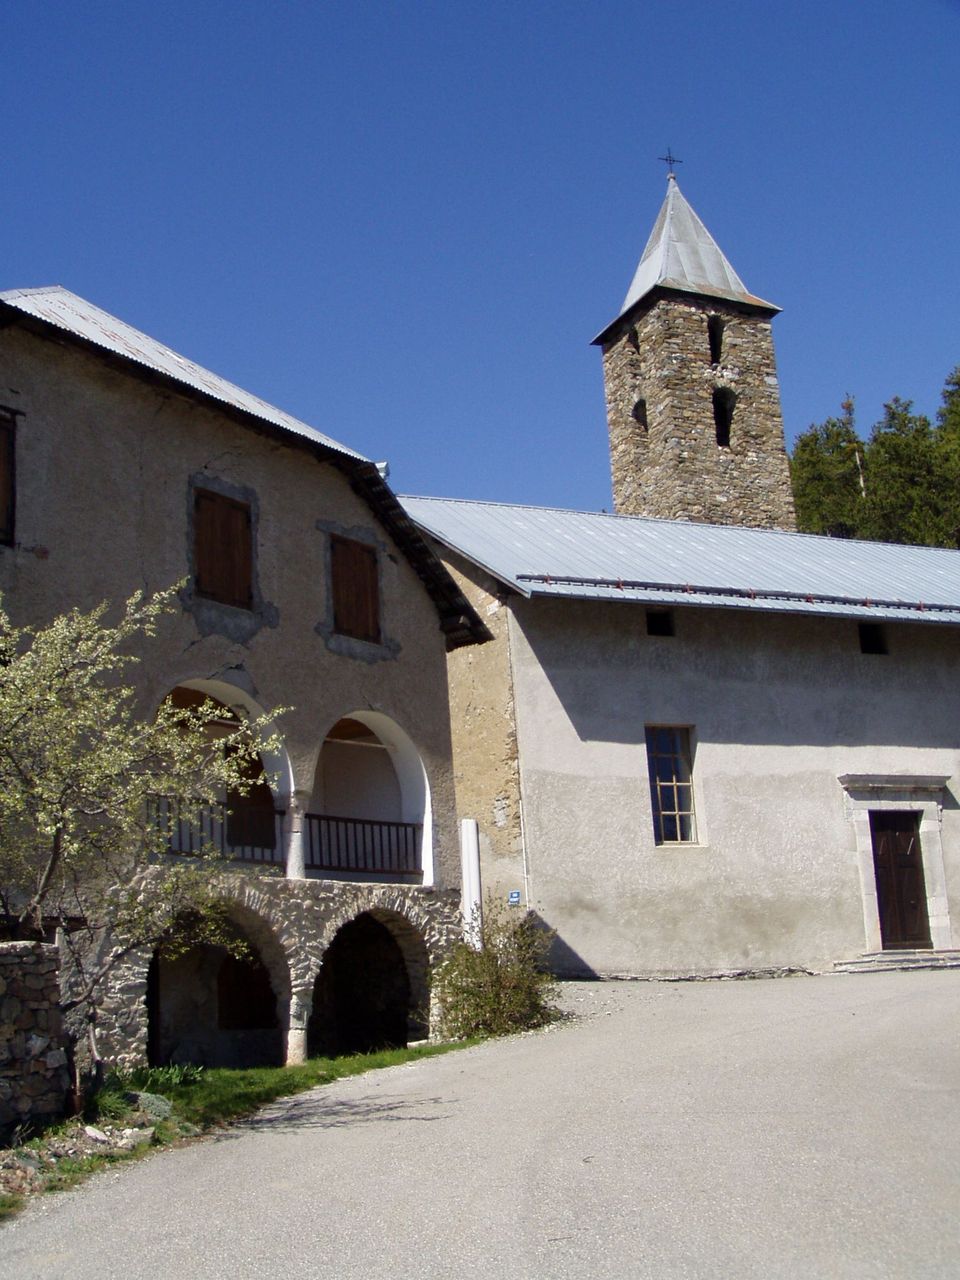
x: 903, y: 485
x: 948, y: 456
x: 905, y: 496
x: 826, y: 471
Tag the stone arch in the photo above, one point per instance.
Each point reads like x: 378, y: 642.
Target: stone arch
x: 373, y: 987
x: 276, y: 762
x: 248, y: 825
x: 412, y: 802
x: 212, y: 1008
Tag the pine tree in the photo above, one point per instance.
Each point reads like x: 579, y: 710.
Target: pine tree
x: 826, y: 471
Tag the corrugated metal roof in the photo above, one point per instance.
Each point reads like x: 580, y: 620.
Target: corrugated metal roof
x: 682, y: 254
x: 541, y: 551
x: 65, y: 310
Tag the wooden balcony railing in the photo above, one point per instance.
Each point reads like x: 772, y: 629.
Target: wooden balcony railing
x: 362, y: 846
x: 247, y: 835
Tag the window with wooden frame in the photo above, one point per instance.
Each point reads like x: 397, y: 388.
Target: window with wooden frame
x: 8, y: 487
x: 355, y: 587
x: 671, y: 784
x: 222, y: 549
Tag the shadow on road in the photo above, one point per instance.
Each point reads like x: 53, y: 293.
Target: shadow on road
x: 317, y: 1112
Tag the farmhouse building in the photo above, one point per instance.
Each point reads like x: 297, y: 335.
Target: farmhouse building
x: 702, y: 743
x: 127, y: 467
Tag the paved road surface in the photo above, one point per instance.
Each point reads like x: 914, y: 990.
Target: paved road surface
x: 800, y: 1127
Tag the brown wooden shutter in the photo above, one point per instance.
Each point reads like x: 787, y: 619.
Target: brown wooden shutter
x: 7, y: 477
x: 356, y: 596
x: 223, y: 549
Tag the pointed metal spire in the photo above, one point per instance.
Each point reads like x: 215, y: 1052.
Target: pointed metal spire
x: 681, y: 254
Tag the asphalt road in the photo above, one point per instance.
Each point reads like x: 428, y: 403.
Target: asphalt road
x: 800, y: 1127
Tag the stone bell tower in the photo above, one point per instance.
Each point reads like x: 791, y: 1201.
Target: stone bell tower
x: 693, y: 402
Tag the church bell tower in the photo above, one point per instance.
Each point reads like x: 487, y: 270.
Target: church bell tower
x: 693, y: 401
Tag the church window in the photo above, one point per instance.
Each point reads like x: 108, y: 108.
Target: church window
x: 222, y: 549
x: 356, y: 593
x: 669, y: 763
x: 724, y: 402
x: 640, y: 414
x: 715, y: 327
x: 659, y: 622
x: 7, y: 475
x: 873, y: 638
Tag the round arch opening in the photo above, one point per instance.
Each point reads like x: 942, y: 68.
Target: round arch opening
x: 212, y: 1006
x: 372, y: 991
x: 371, y: 780
x: 250, y: 824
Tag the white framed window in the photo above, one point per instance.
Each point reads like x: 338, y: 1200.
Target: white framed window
x: 670, y: 766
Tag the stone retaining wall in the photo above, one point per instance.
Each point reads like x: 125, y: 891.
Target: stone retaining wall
x: 33, y: 1066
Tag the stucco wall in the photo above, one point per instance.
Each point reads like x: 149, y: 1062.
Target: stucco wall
x: 778, y: 709
x: 105, y: 466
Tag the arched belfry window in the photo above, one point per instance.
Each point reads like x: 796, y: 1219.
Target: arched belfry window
x: 715, y: 326
x: 724, y: 402
x: 640, y: 414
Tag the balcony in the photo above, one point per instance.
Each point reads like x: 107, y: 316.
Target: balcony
x: 244, y: 835
x: 362, y: 846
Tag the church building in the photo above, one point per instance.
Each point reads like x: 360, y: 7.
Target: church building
x: 700, y: 742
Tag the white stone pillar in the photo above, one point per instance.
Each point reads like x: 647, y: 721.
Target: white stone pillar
x: 297, y: 1030
x: 295, y: 860
x: 471, y: 907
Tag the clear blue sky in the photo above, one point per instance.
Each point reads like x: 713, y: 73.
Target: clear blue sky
x: 403, y: 222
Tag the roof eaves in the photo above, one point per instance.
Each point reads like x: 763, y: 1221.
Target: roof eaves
x: 731, y: 597
x: 673, y: 288
x: 459, y: 621
x: 513, y: 584
x: 137, y: 367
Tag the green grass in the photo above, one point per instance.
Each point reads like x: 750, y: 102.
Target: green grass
x: 223, y: 1094
x: 9, y: 1205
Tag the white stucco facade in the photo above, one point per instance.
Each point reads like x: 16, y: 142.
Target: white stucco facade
x: 796, y: 736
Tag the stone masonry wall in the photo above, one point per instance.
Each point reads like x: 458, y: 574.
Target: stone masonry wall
x: 290, y: 923
x: 33, y: 1065
x: 484, y: 733
x: 674, y: 467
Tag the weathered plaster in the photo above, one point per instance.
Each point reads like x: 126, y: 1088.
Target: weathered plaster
x: 779, y: 708
x: 121, y: 456
x: 483, y: 722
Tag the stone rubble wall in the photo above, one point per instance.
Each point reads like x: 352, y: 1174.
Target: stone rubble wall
x: 674, y: 468
x: 33, y: 1065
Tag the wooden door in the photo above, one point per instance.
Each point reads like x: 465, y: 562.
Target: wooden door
x: 901, y: 892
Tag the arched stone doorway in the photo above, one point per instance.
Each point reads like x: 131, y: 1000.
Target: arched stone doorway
x: 213, y: 1008
x: 372, y: 991
x: 369, y: 814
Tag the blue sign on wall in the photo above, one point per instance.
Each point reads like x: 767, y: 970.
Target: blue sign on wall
x: 514, y: 899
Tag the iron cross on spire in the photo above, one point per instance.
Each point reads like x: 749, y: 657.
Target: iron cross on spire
x: 670, y: 160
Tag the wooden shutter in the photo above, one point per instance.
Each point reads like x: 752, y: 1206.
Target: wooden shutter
x: 223, y: 549
x: 7, y: 477
x: 356, y: 596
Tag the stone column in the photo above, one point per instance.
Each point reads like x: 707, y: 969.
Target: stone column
x: 295, y: 835
x: 300, y: 1003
